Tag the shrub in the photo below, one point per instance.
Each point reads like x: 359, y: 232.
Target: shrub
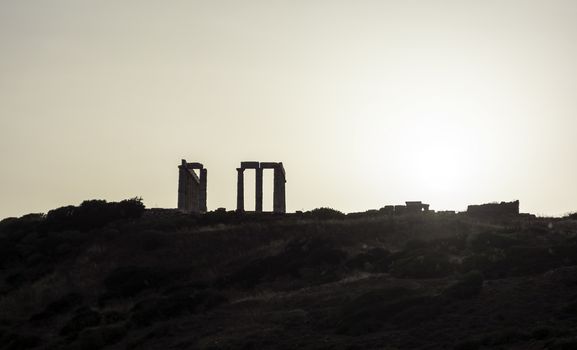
x: 8, y: 254
x: 298, y: 255
x: 132, y: 208
x: 16, y: 228
x: 370, y: 311
x: 131, y: 280
x: 324, y: 214
x: 426, y: 265
x: 469, y: 286
x: 487, y: 240
x: 93, y: 214
x: 157, y: 309
x: 531, y: 260
x: 489, y: 263
x: 376, y: 259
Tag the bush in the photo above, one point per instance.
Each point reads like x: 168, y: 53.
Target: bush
x: 93, y: 214
x: 132, y: 208
x: 8, y: 254
x: 298, y: 255
x: 370, y: 311
x: 15, y: 228
x: 469, y: 286
x: 374, y: 260
x: 131, y: 280
x: 324, y: 214
x: 531, y: 260
x: 152, y: 310
x: 488, y: 240
x: 426, y: 265
x: 521, y: 260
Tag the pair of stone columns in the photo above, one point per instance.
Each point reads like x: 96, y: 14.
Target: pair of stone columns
x: 279, y: 193
x: 192, y: 187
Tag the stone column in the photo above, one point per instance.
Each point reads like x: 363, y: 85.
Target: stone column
x: 279, y: 200
x: 181, y: 188
x: 203, y: 185
x: 240, y: 190
x: 193, y: 189
x: 282, y: 199
x: 258, y: 190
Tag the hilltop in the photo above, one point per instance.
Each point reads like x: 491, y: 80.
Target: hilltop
x: 118, y: 276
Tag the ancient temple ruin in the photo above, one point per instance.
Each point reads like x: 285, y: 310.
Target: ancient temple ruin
x: 192, y: 187
x: 279, y: 199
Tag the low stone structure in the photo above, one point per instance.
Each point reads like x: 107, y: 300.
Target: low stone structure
x: 388, y: 209
x: 279, y: 193
x: 494, y: 209
x: 192, y: 187
x: 410, y: 207
x: 447, y: 212
x: 400, y: 209
x: 416, y: 207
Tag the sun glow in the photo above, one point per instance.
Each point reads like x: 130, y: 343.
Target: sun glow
x: 436, y: 160
x: 438, y: 167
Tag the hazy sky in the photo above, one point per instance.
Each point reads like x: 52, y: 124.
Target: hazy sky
x: 366, y: 103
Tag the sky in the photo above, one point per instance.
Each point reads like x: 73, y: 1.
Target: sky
x: 366, y: 103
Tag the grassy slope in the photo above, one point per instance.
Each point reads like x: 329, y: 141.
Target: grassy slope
x: 169, y: 280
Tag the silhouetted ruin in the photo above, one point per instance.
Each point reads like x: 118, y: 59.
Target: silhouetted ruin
x: 410, y: 207
x: 192, y: 187
x: 416, y: 207
x: 494, y: 209
x: 446, y: 212
x: 192, y: 193
x: 279, y: 197
x: 400, y: 209
x: 388, y: 209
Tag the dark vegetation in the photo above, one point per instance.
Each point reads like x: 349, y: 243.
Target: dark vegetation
x: 91, y: 215
x: 117, y: 276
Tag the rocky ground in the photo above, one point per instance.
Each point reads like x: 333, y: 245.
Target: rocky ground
x: 315, y: 280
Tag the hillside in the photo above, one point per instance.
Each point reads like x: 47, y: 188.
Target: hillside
x: 160, y: 279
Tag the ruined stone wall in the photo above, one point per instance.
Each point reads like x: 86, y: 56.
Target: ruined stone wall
x: 494, y: 209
